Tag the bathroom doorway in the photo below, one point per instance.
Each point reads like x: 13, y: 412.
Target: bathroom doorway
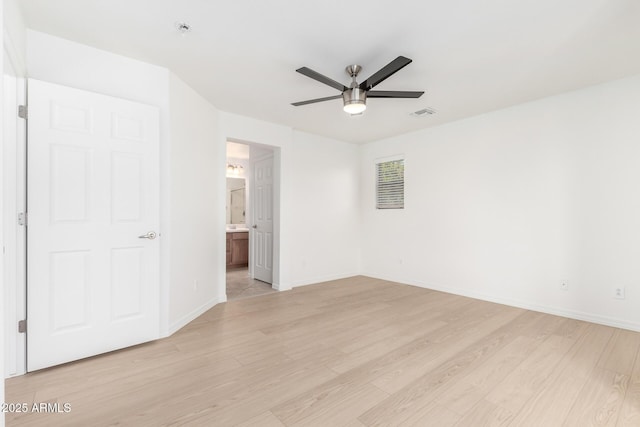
x: 249, y: 202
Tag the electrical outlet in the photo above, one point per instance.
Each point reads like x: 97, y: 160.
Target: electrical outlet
x: 195, y: 285
x: 619, y: 292
x: 564, y: 285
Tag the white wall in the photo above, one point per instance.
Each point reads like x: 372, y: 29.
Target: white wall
x: 507, y: 205
x: 15, y: 31
x: 325, y: 206
x: 73, y: 64
x: 195, y: 235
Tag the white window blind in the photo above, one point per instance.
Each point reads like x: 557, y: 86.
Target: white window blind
x: 390, y: 184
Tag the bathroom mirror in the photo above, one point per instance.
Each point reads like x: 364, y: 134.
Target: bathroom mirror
x: 235, y: 201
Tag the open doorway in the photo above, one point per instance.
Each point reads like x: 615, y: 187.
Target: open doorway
x: 249, y: 220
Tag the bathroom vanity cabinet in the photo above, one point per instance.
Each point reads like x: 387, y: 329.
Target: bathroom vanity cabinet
x: 238, y: 249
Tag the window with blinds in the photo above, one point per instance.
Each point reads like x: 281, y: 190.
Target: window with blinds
x: 390, y: 184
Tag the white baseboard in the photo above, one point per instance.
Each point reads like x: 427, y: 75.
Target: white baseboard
x: 320, y: 279
x: 558, y: 311
x: 280, y: 286
x: 186, y: 319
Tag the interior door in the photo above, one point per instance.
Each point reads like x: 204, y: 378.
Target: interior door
x: 93, y: 206
x: 263, y: 220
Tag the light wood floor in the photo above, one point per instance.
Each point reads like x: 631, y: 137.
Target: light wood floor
x: 354, y: 352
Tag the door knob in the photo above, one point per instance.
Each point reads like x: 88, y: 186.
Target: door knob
x: 150, y: 235
x: 254, y: 226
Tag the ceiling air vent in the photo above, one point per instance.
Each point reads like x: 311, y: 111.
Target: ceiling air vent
x: 424, y: 112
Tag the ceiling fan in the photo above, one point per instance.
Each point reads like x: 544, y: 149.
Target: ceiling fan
x: 355, y: 96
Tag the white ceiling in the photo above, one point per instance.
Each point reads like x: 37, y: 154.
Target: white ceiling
x: 469, y: 56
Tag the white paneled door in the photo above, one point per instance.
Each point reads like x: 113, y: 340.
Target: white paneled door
x: 93, y: 211
x: 263, y: 220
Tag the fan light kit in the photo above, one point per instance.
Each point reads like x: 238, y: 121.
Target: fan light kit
x: 355, y: 101
x: 354, y: 98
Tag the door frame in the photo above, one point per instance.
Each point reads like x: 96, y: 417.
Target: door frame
x: 14, y: 200
x: 276, y: 152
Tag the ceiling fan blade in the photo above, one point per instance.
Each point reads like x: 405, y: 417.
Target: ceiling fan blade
x: 393, y: 94
x: 312, y: 101
x: 322, y: 79
x: 385, y: 72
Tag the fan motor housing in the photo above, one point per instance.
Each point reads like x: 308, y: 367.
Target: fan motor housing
x: 354, y: 96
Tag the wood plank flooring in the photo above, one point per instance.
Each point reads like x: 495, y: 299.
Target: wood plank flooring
x: 353, y: 352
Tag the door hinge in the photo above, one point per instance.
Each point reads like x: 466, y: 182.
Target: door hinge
x: 23, y: 218
x: 23, y: 112
x: 22, y: 326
